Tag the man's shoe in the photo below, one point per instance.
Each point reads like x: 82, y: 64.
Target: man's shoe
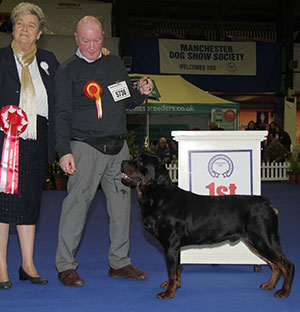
x: 129, y: 271
x: 70, y: 278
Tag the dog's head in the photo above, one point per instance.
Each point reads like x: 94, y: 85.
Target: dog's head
x: 144, y: 169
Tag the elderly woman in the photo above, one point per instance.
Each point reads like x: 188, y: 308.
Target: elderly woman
x: 26, y: 118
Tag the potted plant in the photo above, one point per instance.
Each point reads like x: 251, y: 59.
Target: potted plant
x: 294, y: 169
x: 60, y: 177
x: 49, y: 182
x: 132, y: 146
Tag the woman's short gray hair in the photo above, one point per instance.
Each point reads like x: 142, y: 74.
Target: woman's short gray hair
x: 28, y: 8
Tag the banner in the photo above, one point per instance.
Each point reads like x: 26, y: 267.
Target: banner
x: 221, y: 172
x: 207, y: 57
x: 225, y: 118
x: 153, y: 108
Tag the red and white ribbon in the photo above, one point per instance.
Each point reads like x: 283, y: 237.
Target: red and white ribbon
x: 13, y: 121
x: 93, y: 90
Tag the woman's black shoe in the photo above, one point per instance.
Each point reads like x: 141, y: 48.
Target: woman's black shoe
x: 34, y: 280
x: 5, y: 285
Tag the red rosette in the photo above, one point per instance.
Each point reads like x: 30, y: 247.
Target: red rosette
x: 93, y: 90
x: 13, y: 121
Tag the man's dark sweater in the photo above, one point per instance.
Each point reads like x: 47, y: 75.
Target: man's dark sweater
x: 76, y: 114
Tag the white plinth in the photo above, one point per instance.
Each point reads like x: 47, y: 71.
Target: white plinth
x: 220, y: 163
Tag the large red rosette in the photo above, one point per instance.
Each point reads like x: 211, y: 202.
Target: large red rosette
x: 93, y: 90
x: 13, y: 121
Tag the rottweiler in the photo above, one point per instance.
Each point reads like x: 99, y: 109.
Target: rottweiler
x: 179, y: 218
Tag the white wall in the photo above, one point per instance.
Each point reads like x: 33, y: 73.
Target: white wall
x: 62, y: 15
x: 61, y: 45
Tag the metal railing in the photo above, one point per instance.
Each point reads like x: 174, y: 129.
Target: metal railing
x: 269, y: 171
x: 212, y: 32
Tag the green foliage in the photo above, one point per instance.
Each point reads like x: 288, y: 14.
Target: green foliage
x: 56, y: 170
x: 294, y: 167
x: 133, y: 147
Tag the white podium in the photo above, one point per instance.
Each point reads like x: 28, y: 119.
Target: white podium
x: 220, y: 163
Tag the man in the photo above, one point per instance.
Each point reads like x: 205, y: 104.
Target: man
x: 163, y: 151
x: 214, y: 126
x: 92, y: 94
x: 284, y: 138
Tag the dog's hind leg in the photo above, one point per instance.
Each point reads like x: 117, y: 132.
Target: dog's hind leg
x: 274, y: 277
x: 288, y: 269
x: 275, y: 270
x: 274, y: 256
x: 174, y: 275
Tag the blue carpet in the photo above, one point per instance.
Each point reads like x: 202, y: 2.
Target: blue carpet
x: 220, y: 288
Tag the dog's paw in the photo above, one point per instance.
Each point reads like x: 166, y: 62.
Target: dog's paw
x: 267, y: 286
x: 165, y: 285
x: 165, y: 295
x: 281, y: 293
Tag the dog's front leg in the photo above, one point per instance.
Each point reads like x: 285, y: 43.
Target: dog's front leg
x: 174, y: 275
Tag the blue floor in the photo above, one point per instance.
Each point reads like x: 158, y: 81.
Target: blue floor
x: 222, y: 288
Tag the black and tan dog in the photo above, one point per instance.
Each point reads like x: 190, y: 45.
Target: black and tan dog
x: 179, y: 218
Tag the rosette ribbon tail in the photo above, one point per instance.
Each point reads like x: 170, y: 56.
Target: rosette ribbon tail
x: 93, y: 90
x: 9, y: 168
x: 10, y: 162
x: 99, y: 106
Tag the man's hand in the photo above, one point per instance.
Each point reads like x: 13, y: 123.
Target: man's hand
x: 145, y: 85
x: 67, y: 163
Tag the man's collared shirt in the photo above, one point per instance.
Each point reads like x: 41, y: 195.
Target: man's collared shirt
x: 78, y: 53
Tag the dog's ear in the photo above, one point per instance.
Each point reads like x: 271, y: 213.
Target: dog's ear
x: 151, y: 172
x: 162, y: 174
x: 163, y: 179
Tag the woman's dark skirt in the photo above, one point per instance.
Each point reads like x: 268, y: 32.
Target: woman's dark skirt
x: 24, y: 208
